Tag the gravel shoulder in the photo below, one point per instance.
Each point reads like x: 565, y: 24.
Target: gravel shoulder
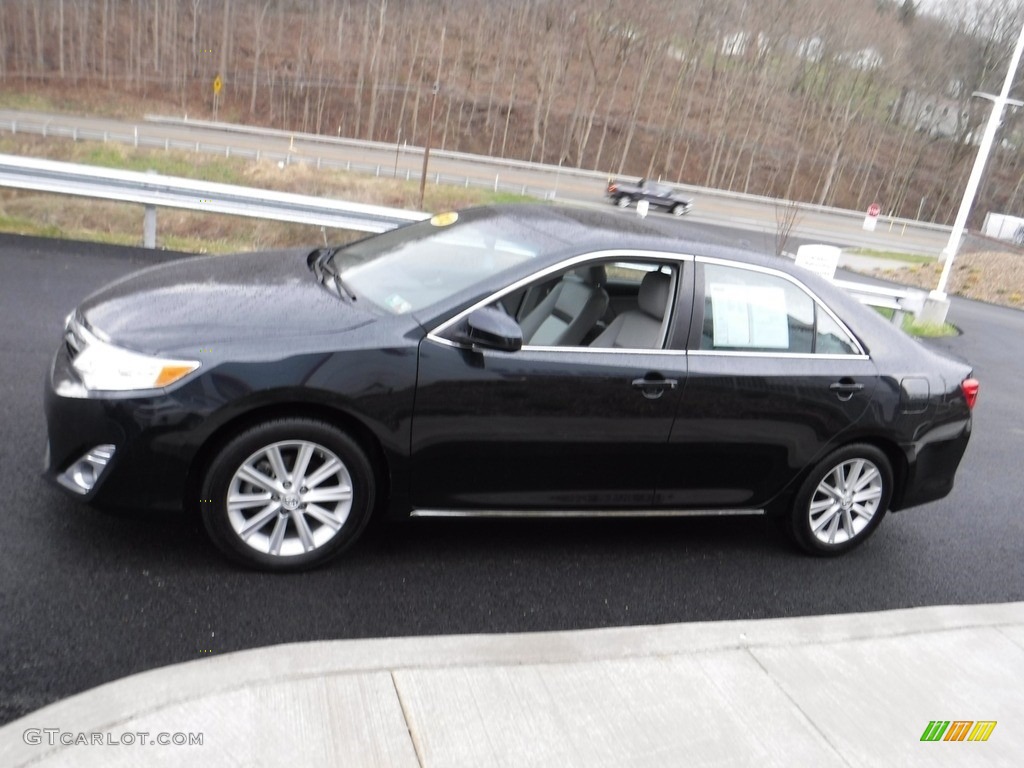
x: 995, y: 277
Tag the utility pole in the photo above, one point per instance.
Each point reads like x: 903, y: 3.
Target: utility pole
x: 937, y: 304
x: 430, y: 137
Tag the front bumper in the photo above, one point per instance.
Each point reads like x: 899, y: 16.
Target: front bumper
x: 137, y: 449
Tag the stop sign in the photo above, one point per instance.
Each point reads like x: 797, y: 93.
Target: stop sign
x: 874, y: 209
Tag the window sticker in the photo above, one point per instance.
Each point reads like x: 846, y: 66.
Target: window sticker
x: 750, y: 316
x: 444, y: 219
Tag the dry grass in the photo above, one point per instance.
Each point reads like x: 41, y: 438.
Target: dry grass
x: 993, y: 276
x: 49, y: 215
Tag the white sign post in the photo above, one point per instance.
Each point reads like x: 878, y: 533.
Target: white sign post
x: 819, y: 259
x: 641, y: 208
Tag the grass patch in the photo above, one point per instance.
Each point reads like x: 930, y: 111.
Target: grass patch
x: 910, y: 258
x: 921, y: 330
x: 928, y: 330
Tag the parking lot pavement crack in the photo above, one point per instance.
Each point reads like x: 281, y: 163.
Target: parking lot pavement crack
x: 413, y: 736
x: 796, y: 705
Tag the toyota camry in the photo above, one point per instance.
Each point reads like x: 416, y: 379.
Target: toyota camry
x: 503, y: 361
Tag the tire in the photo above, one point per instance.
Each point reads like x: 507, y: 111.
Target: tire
x: 289, y: 521
x: 622, y: 201
x: 842, y: 501
x: 678, y: 209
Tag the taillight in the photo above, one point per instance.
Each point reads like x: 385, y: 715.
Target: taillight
x: 970, y: 389
x: 612, y: 187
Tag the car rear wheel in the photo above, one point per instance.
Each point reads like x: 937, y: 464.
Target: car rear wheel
x: 622, y: 201
x: 842, y: 501
x: 678, y: 209
x: 287, y: 495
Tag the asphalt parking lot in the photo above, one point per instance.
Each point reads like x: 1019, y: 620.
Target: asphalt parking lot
x: 88, y: 597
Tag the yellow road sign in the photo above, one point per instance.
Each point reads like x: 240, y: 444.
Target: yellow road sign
x: 217, y: 84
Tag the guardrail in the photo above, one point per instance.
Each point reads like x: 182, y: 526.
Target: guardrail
x: 901, y: 301
x: 151, y: 190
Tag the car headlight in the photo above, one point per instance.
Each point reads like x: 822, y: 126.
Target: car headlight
x: 103, y: 366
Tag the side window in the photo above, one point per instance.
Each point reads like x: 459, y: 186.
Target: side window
x: 611, y: 304
x: 745, y: 310
x: 830, y: 339
x: 750, y: 311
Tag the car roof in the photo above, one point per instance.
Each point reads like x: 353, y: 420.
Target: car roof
x: 584, y: 229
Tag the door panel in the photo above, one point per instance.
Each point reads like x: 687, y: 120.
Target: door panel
x: 747, y: 425
x: 541, y: 428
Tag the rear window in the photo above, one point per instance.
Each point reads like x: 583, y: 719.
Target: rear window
x: 750, y: 311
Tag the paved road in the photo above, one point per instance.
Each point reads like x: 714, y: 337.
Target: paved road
x: 722, y: 209
x: 86, y: 597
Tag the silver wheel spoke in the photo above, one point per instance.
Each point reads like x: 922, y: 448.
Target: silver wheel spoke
x: 853, y: 475
x: 832, y: 528
x: 825, y: 519
x: 258, y: 520
x: 277, y: 537
x: 302, y: 463
x: 325, y: 517
x: 329, y: 468
x: 277, y: 463
x: 848, y: 523
x: 247, y: 500
x: 257, y: 478
x: 318, y: 495
x: 871, y: 494
x: 305, y: 535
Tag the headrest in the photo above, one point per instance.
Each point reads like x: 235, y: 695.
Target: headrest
x: 593, y: 275
x: 653, y: 296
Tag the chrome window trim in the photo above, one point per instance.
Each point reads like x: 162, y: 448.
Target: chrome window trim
x: 522, y: 513
x: 799, y: 284
x: 785, y: 355
x: 435, y: 335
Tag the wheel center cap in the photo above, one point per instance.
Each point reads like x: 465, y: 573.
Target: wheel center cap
x: 290, y: 502
x: 847, y: 502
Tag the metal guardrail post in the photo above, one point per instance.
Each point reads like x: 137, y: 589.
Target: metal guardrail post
x: 149, y: 223
x: 149, y: 227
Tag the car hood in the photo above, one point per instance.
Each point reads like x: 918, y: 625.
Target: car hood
x: 202, y: 302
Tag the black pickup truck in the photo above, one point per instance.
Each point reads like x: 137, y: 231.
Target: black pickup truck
x: 623, y: 193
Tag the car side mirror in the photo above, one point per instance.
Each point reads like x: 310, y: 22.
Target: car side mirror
x: 490, y: 328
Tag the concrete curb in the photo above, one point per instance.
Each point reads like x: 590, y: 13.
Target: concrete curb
x: 186, y: 686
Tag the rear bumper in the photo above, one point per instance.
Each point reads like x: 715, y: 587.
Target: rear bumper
x: 932, y: 465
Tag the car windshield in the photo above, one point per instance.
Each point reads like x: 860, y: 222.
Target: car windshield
x: 415, y: 266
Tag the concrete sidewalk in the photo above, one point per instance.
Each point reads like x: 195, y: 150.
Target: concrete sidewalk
x: 849, y: 690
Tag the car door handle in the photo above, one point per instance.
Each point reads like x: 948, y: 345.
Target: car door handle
x: 845, y: 388
x: 652, y: 389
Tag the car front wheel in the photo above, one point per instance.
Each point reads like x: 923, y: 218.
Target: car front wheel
x: 287, y: 495
x: 842, y: 501
x: 622, y: 201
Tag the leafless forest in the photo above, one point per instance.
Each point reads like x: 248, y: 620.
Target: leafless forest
x: 837, y: 102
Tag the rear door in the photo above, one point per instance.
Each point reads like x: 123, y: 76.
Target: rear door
x: 774, y: 381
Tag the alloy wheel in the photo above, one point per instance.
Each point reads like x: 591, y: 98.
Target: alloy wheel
x: 845, y: 501
x: 289, y: 498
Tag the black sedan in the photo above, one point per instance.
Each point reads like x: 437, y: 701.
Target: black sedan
x: 504, y: 361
